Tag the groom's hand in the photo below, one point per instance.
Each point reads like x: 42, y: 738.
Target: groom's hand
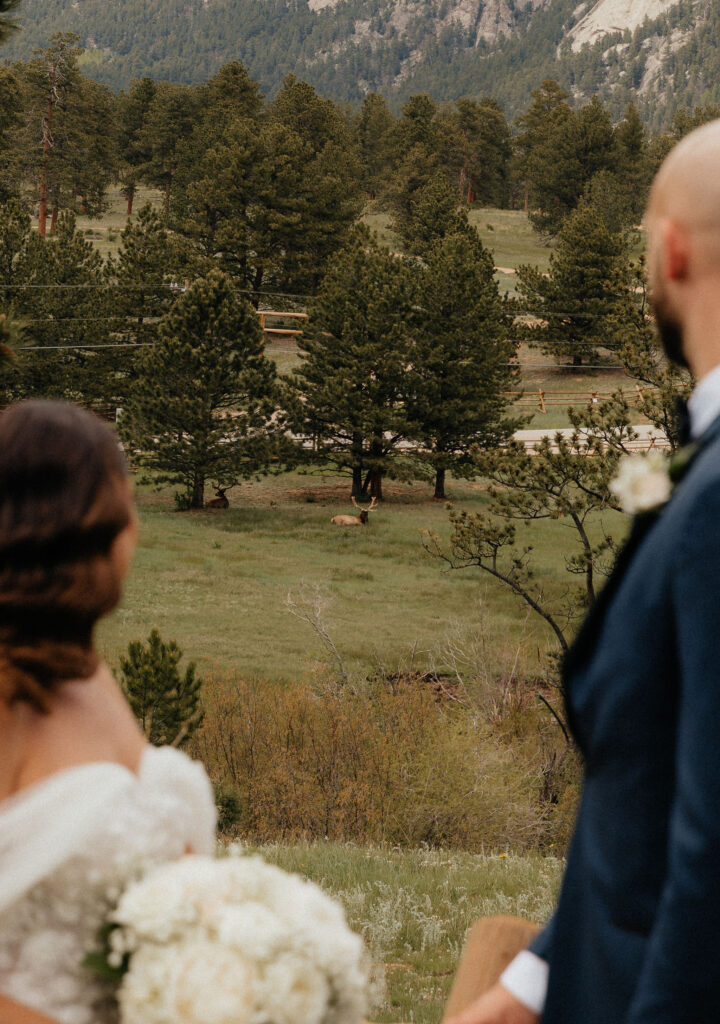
x: 497, y: 1006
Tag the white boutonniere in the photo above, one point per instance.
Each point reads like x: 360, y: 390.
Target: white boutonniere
x: 643, y: 483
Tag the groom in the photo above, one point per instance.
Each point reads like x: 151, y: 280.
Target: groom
x: 636, y: 935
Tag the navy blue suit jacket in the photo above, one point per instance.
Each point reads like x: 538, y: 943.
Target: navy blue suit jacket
x: 636, y: 935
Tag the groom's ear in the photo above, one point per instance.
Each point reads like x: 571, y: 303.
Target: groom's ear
x: 675, y: 258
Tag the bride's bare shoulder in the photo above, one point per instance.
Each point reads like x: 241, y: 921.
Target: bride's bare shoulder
x: 87, y: 720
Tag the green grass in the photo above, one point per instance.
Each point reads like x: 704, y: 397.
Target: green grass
x: 218, y: 582
x: 104, y: 232
x: 415, y: 907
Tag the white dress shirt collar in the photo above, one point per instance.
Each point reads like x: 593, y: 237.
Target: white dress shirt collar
x: 704, y: 403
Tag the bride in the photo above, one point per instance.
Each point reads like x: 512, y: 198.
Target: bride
x: 83, y: 799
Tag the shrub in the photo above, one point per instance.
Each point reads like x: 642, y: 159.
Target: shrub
x: 378, y: 765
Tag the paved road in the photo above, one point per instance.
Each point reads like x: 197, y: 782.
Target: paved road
x: 648, y: 436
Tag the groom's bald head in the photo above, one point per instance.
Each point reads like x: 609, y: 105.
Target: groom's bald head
x: 687, y: 186
x: 683, y: 224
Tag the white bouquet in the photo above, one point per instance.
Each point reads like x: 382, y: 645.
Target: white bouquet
x: 234, y: 941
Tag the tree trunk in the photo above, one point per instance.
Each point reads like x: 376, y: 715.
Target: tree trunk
x: 375, y: 478
x: 357, y: 484
x: 257, y: 285
x: 83, y: 205
x: 53, y: 218
x: 439, y: 484
x: 470, y: 195
x: 44, y: 173
x: 525, y: 205
x: 577, y: 360
x: 198, y: 496
x: 130, y: 195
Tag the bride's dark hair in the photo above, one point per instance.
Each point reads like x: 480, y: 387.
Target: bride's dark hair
x: 64, y: 499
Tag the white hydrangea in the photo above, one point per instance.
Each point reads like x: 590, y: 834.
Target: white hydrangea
x: 236, y: 941
x: 642, y: 483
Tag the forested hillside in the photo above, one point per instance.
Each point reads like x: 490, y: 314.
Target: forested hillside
x: 447, y: 48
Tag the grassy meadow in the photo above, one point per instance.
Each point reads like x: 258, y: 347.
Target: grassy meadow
x: 218, y: 582
x: 414, y: 908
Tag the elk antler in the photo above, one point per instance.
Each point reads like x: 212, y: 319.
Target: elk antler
x: 372, y: 504
x: 355, y: 503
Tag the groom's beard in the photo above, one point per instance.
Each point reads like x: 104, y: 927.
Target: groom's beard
x: 671, y: 334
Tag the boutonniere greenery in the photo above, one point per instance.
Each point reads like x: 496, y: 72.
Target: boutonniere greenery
x: 645, y: 482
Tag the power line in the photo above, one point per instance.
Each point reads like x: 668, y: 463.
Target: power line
x: 78, y: 348
x: 130, y: 286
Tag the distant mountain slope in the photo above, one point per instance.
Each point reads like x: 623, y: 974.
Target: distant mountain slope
x: 445, y: 47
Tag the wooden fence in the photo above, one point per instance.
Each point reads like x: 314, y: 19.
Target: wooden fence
x: 543, y: 400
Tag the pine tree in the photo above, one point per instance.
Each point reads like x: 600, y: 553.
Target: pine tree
x: 146, y: 275
x: 165, y: 703
x: 6, y: 25
x: 434, y: 213
x: 133, y: 108
x: 373, y: 135
x: 461, y: 356
x: 48, y: 82
x: 59, y: 289
x: 585, y: 299
x: 203, y: 403
x: 351, y: 385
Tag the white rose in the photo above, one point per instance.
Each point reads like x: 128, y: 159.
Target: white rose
x: 293, y: 991
x: 252, y: 929
x: 211, y: 985
x: 642, y: 483
x: 141, y: 995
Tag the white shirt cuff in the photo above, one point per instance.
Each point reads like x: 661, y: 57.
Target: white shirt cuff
x: 526, y: 978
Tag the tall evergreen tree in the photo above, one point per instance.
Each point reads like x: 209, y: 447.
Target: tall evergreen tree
x: 479, y: 138
x: 351, y: 384
x: 48, y: 83
x: 59, y: 293
x: 461, y: 357
x: 584, y: 301
x: 204, y: 401
x: 434, y: 213
x: 132, y: 112
x: 373, y: 135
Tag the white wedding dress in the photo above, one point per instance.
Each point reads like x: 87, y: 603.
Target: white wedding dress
x: 65, y: 844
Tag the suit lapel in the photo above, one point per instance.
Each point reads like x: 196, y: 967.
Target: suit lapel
x: 642, y: 525
x: 592, y: 621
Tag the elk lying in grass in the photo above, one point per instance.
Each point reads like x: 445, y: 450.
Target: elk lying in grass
x: 355, y: 520
x: 219, y: 502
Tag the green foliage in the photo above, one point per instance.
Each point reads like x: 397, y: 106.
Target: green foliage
x: 351, y: 385
x: 478, y: 135
x: 461, y: 356
x: 586, y: 300
x: 203, y: 403
x: 268, y: 199
x: 6, y: 24
x: 165, y: 702
x: 188, y: 41
x: 73, y: 153
x: 58, y: 295
x: 433, y: 214
x: 145, y: 277
x: 373, y: 132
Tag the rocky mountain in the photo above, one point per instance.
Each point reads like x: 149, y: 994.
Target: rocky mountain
x: 662, y: 53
